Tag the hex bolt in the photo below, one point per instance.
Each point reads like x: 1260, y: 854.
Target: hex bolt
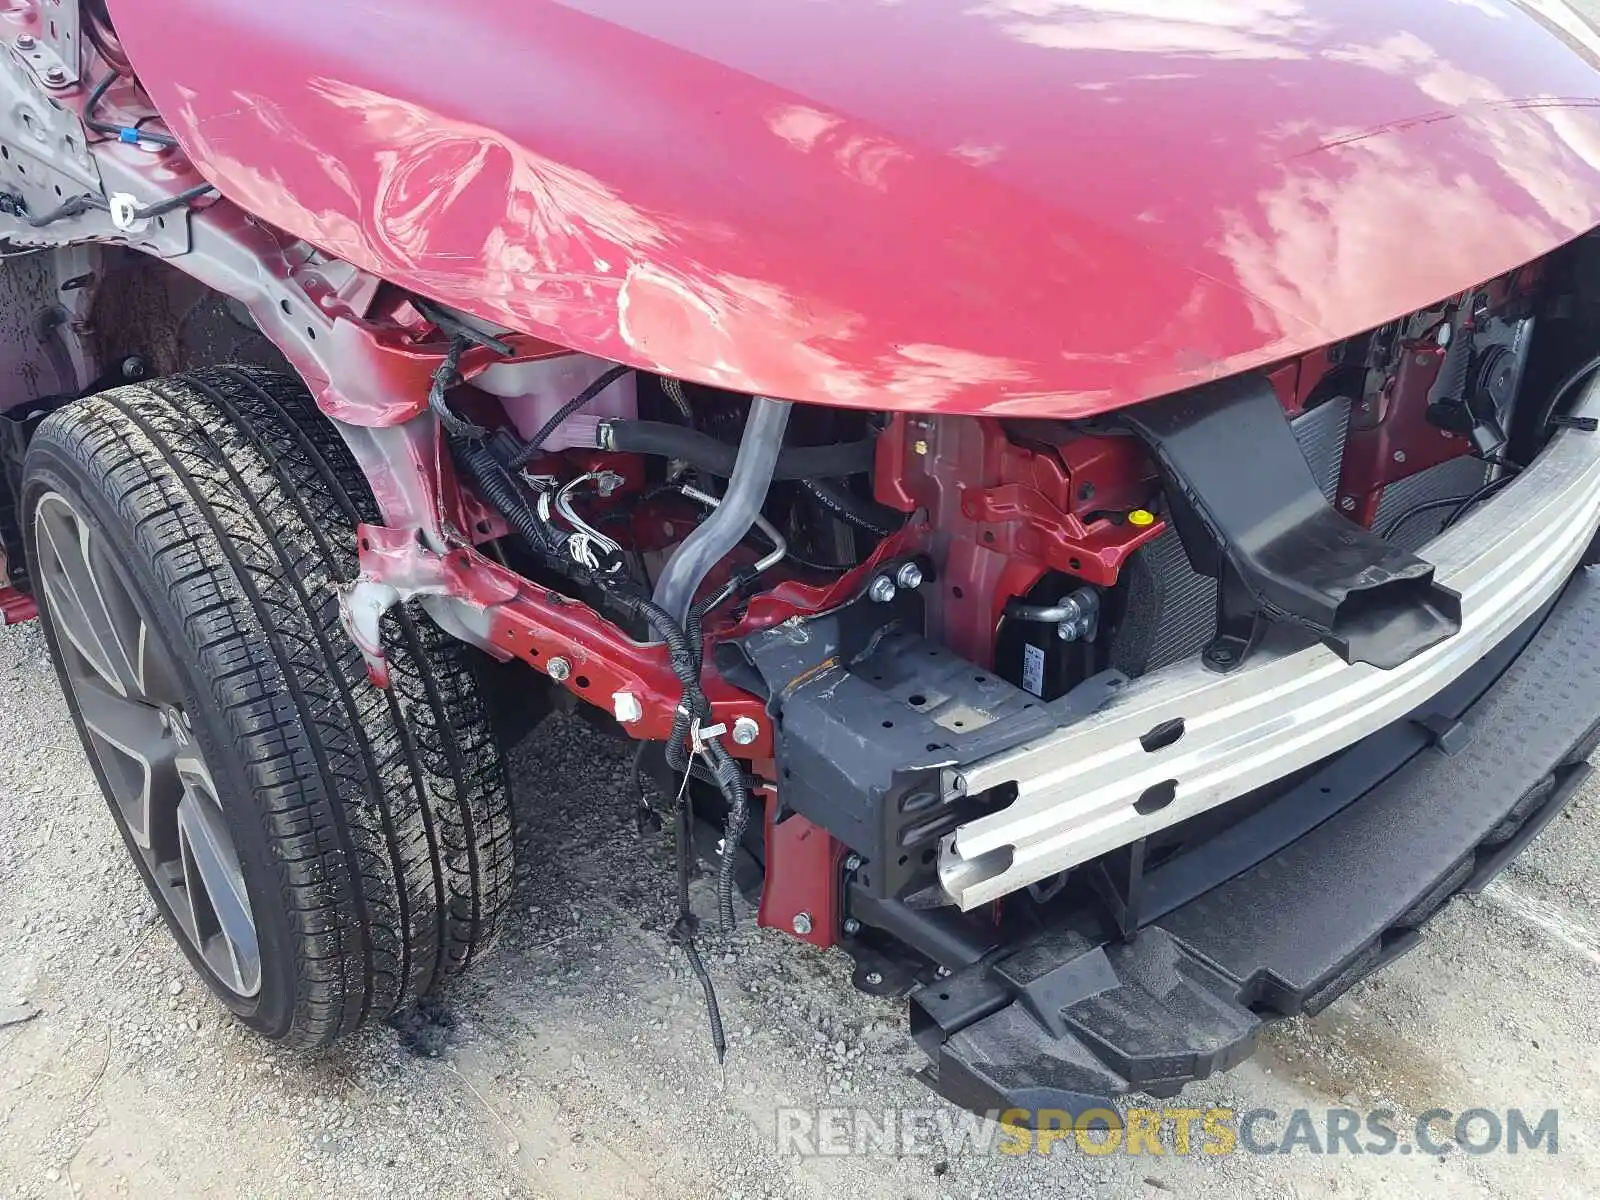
x: 882, y: 590
x: 55, y: 76
x: 919, y: 448
x: 745, y: 730
x: 802, y: 923
x: 559, y: 669
x: 25, y: 41
x: 852, y: 926
x: 909, y: 576
x: 874, y: 978
x: 1399, y: 456
x: 853, y: 862
x: 1348, y: 503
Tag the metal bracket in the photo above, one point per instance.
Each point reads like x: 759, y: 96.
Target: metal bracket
x: 1118, y: 879
x: 54, y: 52
x: 48, y: 147
x: 1240, y: 625
x: 48, y: 160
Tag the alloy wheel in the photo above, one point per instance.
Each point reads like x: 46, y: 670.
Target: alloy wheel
x: 126, y: 688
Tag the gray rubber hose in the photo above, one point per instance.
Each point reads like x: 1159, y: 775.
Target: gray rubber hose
x: 726, y: 527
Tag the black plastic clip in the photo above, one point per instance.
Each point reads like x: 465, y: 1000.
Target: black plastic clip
x: 1582, y: 424
x: 1449, y: 737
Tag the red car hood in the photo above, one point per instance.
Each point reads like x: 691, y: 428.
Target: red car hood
x: 1006, y: 206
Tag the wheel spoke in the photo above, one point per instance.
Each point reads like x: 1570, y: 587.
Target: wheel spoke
x: 137, y: 754
x: 219, y: 917
x: 157, y: 681
x: 92, y: 611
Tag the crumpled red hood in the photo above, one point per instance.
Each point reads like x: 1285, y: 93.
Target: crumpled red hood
x: 1040, y: 207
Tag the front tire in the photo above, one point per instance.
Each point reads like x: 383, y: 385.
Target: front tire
x: 324, y: 851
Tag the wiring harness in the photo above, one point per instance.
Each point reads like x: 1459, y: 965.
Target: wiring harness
x: 493, y: 459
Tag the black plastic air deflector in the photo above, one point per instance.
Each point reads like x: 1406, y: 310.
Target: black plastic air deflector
x: 1251, y: 515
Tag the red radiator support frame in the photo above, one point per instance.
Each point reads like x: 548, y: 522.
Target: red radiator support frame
x: 1007, y: 513
x: 802, y: 879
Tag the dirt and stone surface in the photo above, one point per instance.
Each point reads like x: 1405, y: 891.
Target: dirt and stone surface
x: 575, y: 1062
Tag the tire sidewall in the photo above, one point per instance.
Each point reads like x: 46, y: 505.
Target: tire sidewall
x: 51, y: 467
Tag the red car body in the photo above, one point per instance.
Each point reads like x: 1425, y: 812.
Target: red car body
x: 1004, y: 207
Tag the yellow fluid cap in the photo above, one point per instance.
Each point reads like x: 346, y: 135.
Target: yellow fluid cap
x: 1141, y: 517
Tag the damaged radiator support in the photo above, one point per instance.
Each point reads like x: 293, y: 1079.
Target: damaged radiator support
x: 877, y: 728
x: 872, y: 719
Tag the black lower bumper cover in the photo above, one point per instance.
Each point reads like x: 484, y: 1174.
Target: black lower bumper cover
x: 1064, y: 1022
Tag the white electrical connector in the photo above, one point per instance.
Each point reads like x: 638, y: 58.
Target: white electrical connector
x: 587, y: 543
x: 124, y: 209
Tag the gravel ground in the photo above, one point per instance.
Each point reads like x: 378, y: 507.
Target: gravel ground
x: 574, y: 1061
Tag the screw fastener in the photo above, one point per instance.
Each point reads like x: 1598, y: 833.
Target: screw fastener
x: 25, y: 41
x: 55, y: 76
x: 909, y: 576
x: 853, y: 862
x: 882, y: 590
x: 745, y: 730
x: 802, y: 923
x: 874, y: 978
x: 852, y: 926
x: 559, y: 669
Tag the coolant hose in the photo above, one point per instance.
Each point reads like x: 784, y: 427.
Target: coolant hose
x: 725, y: 528
x: 717, y: 458
x: 852, y: 509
